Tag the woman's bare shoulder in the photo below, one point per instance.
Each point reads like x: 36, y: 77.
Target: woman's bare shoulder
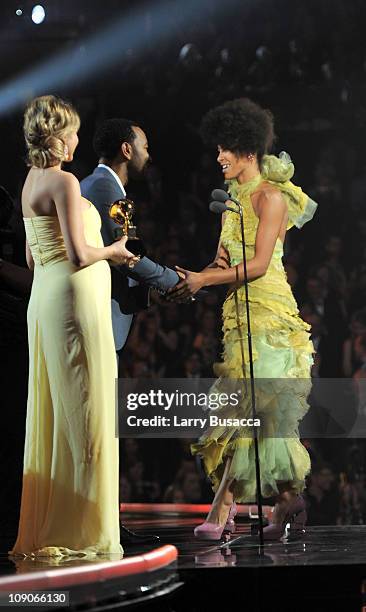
x: 66, y: 178
x: 64, y: 181
x: 266, y: 189
x: 267, y: 194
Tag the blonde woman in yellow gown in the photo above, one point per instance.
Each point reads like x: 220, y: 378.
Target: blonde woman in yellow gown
x: 282, y: 348
x: 69, y: 503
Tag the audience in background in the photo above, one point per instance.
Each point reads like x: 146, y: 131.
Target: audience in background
x: 326, y: 264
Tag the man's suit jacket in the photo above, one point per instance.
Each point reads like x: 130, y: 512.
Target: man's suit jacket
x: 128, y: 296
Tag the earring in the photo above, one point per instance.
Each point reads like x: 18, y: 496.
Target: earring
x: 250, y: 157
x: 66, y: 152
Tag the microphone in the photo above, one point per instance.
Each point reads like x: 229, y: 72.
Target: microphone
x: 219, y: 195
x: 219, y: 207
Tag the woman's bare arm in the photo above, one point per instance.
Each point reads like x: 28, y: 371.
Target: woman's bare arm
x: 67, y: 198
x: 271, y: 210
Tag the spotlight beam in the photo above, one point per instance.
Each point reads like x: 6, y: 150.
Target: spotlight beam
x: 103, y: 49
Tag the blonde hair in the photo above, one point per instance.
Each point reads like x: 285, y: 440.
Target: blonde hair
x: 47, y: 120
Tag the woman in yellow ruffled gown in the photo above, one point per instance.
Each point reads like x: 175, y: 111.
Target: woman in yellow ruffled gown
x: 69, y: 503
x: 281, y: 343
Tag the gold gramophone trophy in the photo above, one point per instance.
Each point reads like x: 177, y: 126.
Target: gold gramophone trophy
x: 121, y: 212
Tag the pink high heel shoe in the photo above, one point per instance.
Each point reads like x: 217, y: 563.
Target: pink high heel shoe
x: 214, y: 531
x: 295, y: 515
x: 230, y: 523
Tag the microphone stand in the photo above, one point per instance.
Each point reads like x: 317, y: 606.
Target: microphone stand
x: 252, y: 384
x: 219, y: 205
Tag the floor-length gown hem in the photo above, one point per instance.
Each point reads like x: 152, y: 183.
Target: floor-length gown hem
x: 70, y: 497
x: 282, y: 355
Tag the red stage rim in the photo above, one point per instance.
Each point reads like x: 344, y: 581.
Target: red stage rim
x: 61, y: 578
x: 248, y: 510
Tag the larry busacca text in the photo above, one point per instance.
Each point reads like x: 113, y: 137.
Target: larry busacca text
x: 176, y: 421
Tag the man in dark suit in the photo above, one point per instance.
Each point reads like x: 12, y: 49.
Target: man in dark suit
x: 122, y: 149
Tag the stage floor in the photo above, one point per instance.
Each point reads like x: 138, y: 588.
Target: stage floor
x: 328, y: 545
x: 323, y: 570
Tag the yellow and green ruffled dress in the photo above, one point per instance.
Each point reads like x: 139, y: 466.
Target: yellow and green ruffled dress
x: 282, y: 354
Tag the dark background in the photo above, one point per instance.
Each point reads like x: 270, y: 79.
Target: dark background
x: 165, y: 65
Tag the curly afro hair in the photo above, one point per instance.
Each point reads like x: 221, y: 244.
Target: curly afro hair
x: 240, y: 126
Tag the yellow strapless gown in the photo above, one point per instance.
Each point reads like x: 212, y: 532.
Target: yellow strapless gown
x: 69, y: 500
x: 282, y: 349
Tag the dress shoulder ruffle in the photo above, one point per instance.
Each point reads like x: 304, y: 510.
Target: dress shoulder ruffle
x: 278, y: 171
